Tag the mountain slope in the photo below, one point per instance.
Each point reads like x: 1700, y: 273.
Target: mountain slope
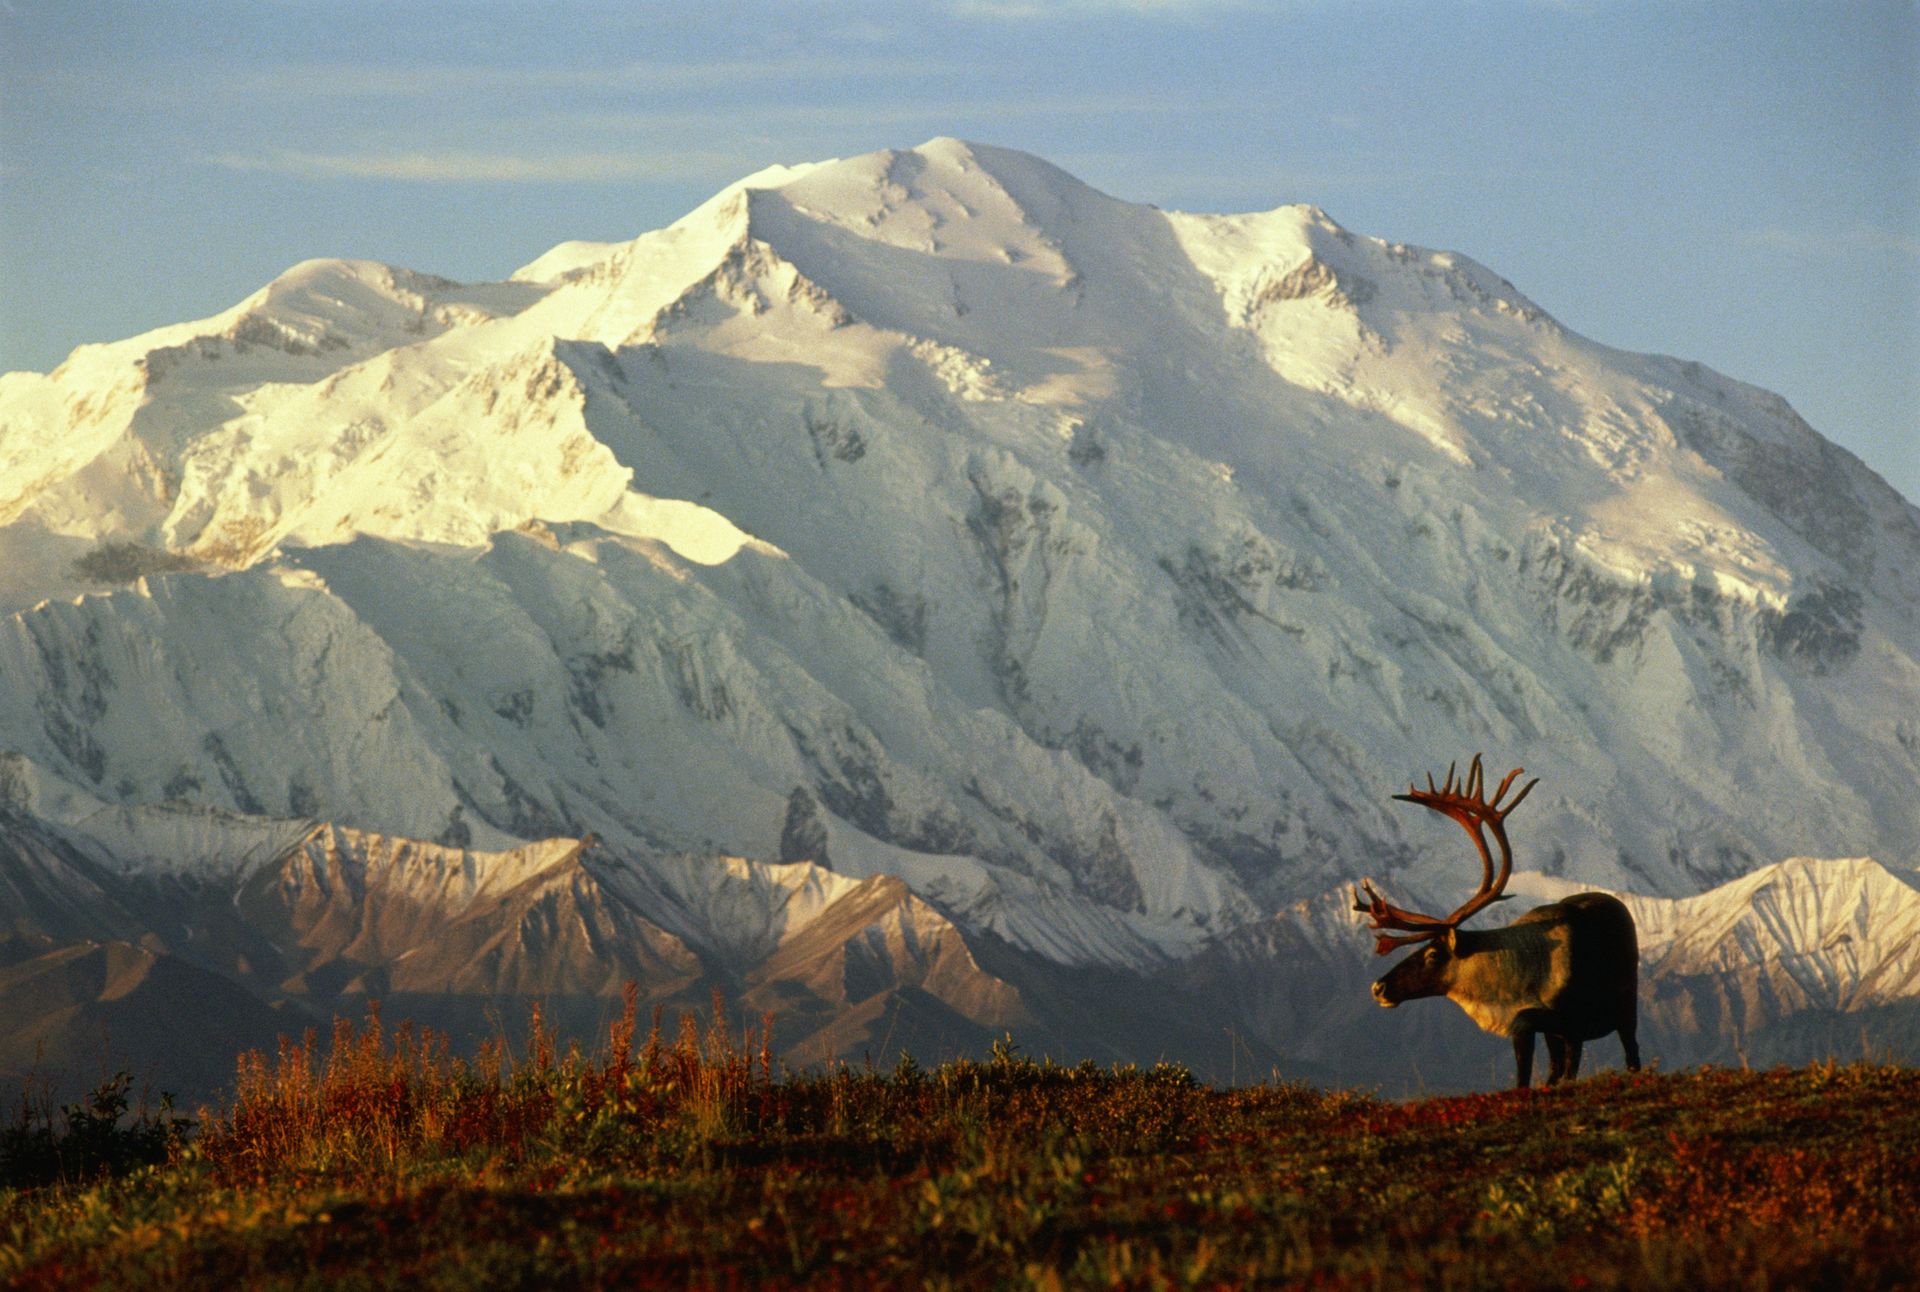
x: 1094, y: 570
x: 175, y: 961
x: 241, y: 931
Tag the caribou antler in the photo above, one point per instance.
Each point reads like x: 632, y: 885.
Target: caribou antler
x: 1388, y: 916
x: 1476, y: 813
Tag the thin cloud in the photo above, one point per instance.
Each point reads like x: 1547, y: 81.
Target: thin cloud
x: 940, y: 113
x: 1809, y: 244
x: 1032, y: 10
x: 641, y: 146
x: 484, y: 168
x: 399, y: 80
x: 1000, y: 12
x: 308, y: 82
x: 1270, y: 185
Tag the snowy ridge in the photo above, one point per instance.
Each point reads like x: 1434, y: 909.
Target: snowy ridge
x: 1838, y: 935
x: 308, y: 918
x: 1095, y: 570
x: 316, y: 922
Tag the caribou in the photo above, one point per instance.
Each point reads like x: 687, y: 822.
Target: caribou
x: 1569, y: 971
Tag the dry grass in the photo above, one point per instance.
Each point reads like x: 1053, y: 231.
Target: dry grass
x: 383, y: 1160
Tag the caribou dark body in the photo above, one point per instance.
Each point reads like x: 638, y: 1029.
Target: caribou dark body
x: 1568, y: 971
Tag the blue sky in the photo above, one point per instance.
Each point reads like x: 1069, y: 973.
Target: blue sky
x: 1734, y: 183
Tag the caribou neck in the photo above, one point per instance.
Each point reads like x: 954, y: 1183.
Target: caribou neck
x: 1497, y: 973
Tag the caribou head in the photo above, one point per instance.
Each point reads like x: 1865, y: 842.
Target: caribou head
x: 1431, y: 971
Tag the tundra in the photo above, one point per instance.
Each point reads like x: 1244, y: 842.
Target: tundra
x: 1569, y: 971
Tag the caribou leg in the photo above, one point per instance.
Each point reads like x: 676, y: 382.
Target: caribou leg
x: 1556, y: 1058
x: 1630, y: 1043
x: 1525, y: 1024
x: 1573, y: 1059
x: 1522, y: 1057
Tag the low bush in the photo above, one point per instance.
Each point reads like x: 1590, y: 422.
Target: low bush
x: 385, y: 1161
x: 94, y: 1137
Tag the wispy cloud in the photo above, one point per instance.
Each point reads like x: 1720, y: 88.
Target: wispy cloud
x: 430, y: 81
x: 1030, y: 10
x: 1253, y: 186
x: 637, y: 143
x: 939, y: 112
x: 292, y: 83
x: 1808, y: 244
x: 487, y: 168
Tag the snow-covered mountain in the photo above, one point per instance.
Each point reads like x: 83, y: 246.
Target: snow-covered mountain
x: 1094, y: 571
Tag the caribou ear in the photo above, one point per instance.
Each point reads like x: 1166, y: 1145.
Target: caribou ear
x: 1453, y: 941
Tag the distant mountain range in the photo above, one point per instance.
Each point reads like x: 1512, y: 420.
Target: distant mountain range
x: 954, y: 601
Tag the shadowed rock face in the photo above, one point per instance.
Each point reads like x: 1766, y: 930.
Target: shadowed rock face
x: 460, y: 941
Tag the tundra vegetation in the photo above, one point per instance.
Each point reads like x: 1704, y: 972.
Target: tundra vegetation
x: 382, y: 1160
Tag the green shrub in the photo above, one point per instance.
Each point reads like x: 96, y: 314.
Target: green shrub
x: 96, y: 1138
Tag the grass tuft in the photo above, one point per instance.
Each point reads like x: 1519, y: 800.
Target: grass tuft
x: 382, y: 1159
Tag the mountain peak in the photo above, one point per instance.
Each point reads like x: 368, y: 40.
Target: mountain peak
x: 946, y: 198
x: 1089, y: 566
